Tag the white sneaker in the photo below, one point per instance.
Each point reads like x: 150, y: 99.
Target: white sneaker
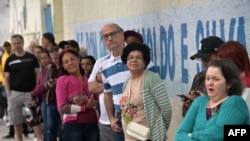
x: 35, y: 139
x: 5, y: 118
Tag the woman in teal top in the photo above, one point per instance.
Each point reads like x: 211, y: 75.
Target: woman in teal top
x: 222, y: 105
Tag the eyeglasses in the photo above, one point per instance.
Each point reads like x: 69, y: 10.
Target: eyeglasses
x: 134, y: 57
x: 111, y: 34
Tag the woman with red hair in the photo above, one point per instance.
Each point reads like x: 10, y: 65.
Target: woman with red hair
x: 236, y: 52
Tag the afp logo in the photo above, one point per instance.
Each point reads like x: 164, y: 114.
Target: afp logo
x: 241, y: 132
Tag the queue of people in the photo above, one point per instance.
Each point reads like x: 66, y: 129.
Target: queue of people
x: 84, y: 99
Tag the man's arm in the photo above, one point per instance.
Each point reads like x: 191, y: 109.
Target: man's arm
x: 95, y: 87
x: 95, y: 84
x: 108, y: 100
x: 7, y: 82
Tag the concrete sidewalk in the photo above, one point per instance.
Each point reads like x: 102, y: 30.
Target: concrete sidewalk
x: 4, y: 131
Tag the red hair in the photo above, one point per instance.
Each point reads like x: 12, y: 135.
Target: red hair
x: 236, y: 52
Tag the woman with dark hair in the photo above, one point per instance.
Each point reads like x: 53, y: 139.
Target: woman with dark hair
x: 222, y: 105
x: 74, y: 102
x: 236, y: 52
x: 144, y: 99
x: 87, y: 63
x: 48, y: 41
x: 39, y: 93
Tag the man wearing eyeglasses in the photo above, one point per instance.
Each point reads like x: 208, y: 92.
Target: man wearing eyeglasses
x: 113, y: 79
x: 114, y: 74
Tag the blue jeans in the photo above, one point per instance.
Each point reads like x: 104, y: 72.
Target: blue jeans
x: 53, y: 123
x: 44, y: 117
x: 119, y: 136
x: 80, y: 132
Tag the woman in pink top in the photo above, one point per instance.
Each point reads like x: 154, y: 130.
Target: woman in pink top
x: 74, y: 102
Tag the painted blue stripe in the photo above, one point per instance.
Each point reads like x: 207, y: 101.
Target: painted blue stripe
x: 155, y: 69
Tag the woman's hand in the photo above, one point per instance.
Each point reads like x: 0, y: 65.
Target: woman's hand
x: 187, y: 99
x: 51, y: 83
x: 79, y: 100
x: 33, y: 102
x: 91, y: 102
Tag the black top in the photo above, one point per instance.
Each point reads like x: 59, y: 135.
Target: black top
x: 22, y: 72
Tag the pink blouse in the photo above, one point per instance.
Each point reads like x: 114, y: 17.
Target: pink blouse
x: 67, y: 87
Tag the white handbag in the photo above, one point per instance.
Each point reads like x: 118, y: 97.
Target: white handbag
x: 138, y: 131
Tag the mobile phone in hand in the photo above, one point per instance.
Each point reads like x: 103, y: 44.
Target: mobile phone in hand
x: 184, y: 96
x: 52, y: 80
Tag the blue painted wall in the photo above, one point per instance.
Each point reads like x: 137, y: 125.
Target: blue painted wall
x: 174, y: 35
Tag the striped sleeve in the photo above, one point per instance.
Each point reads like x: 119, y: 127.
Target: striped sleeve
x: 162, y: 100
x: 157, y: 106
